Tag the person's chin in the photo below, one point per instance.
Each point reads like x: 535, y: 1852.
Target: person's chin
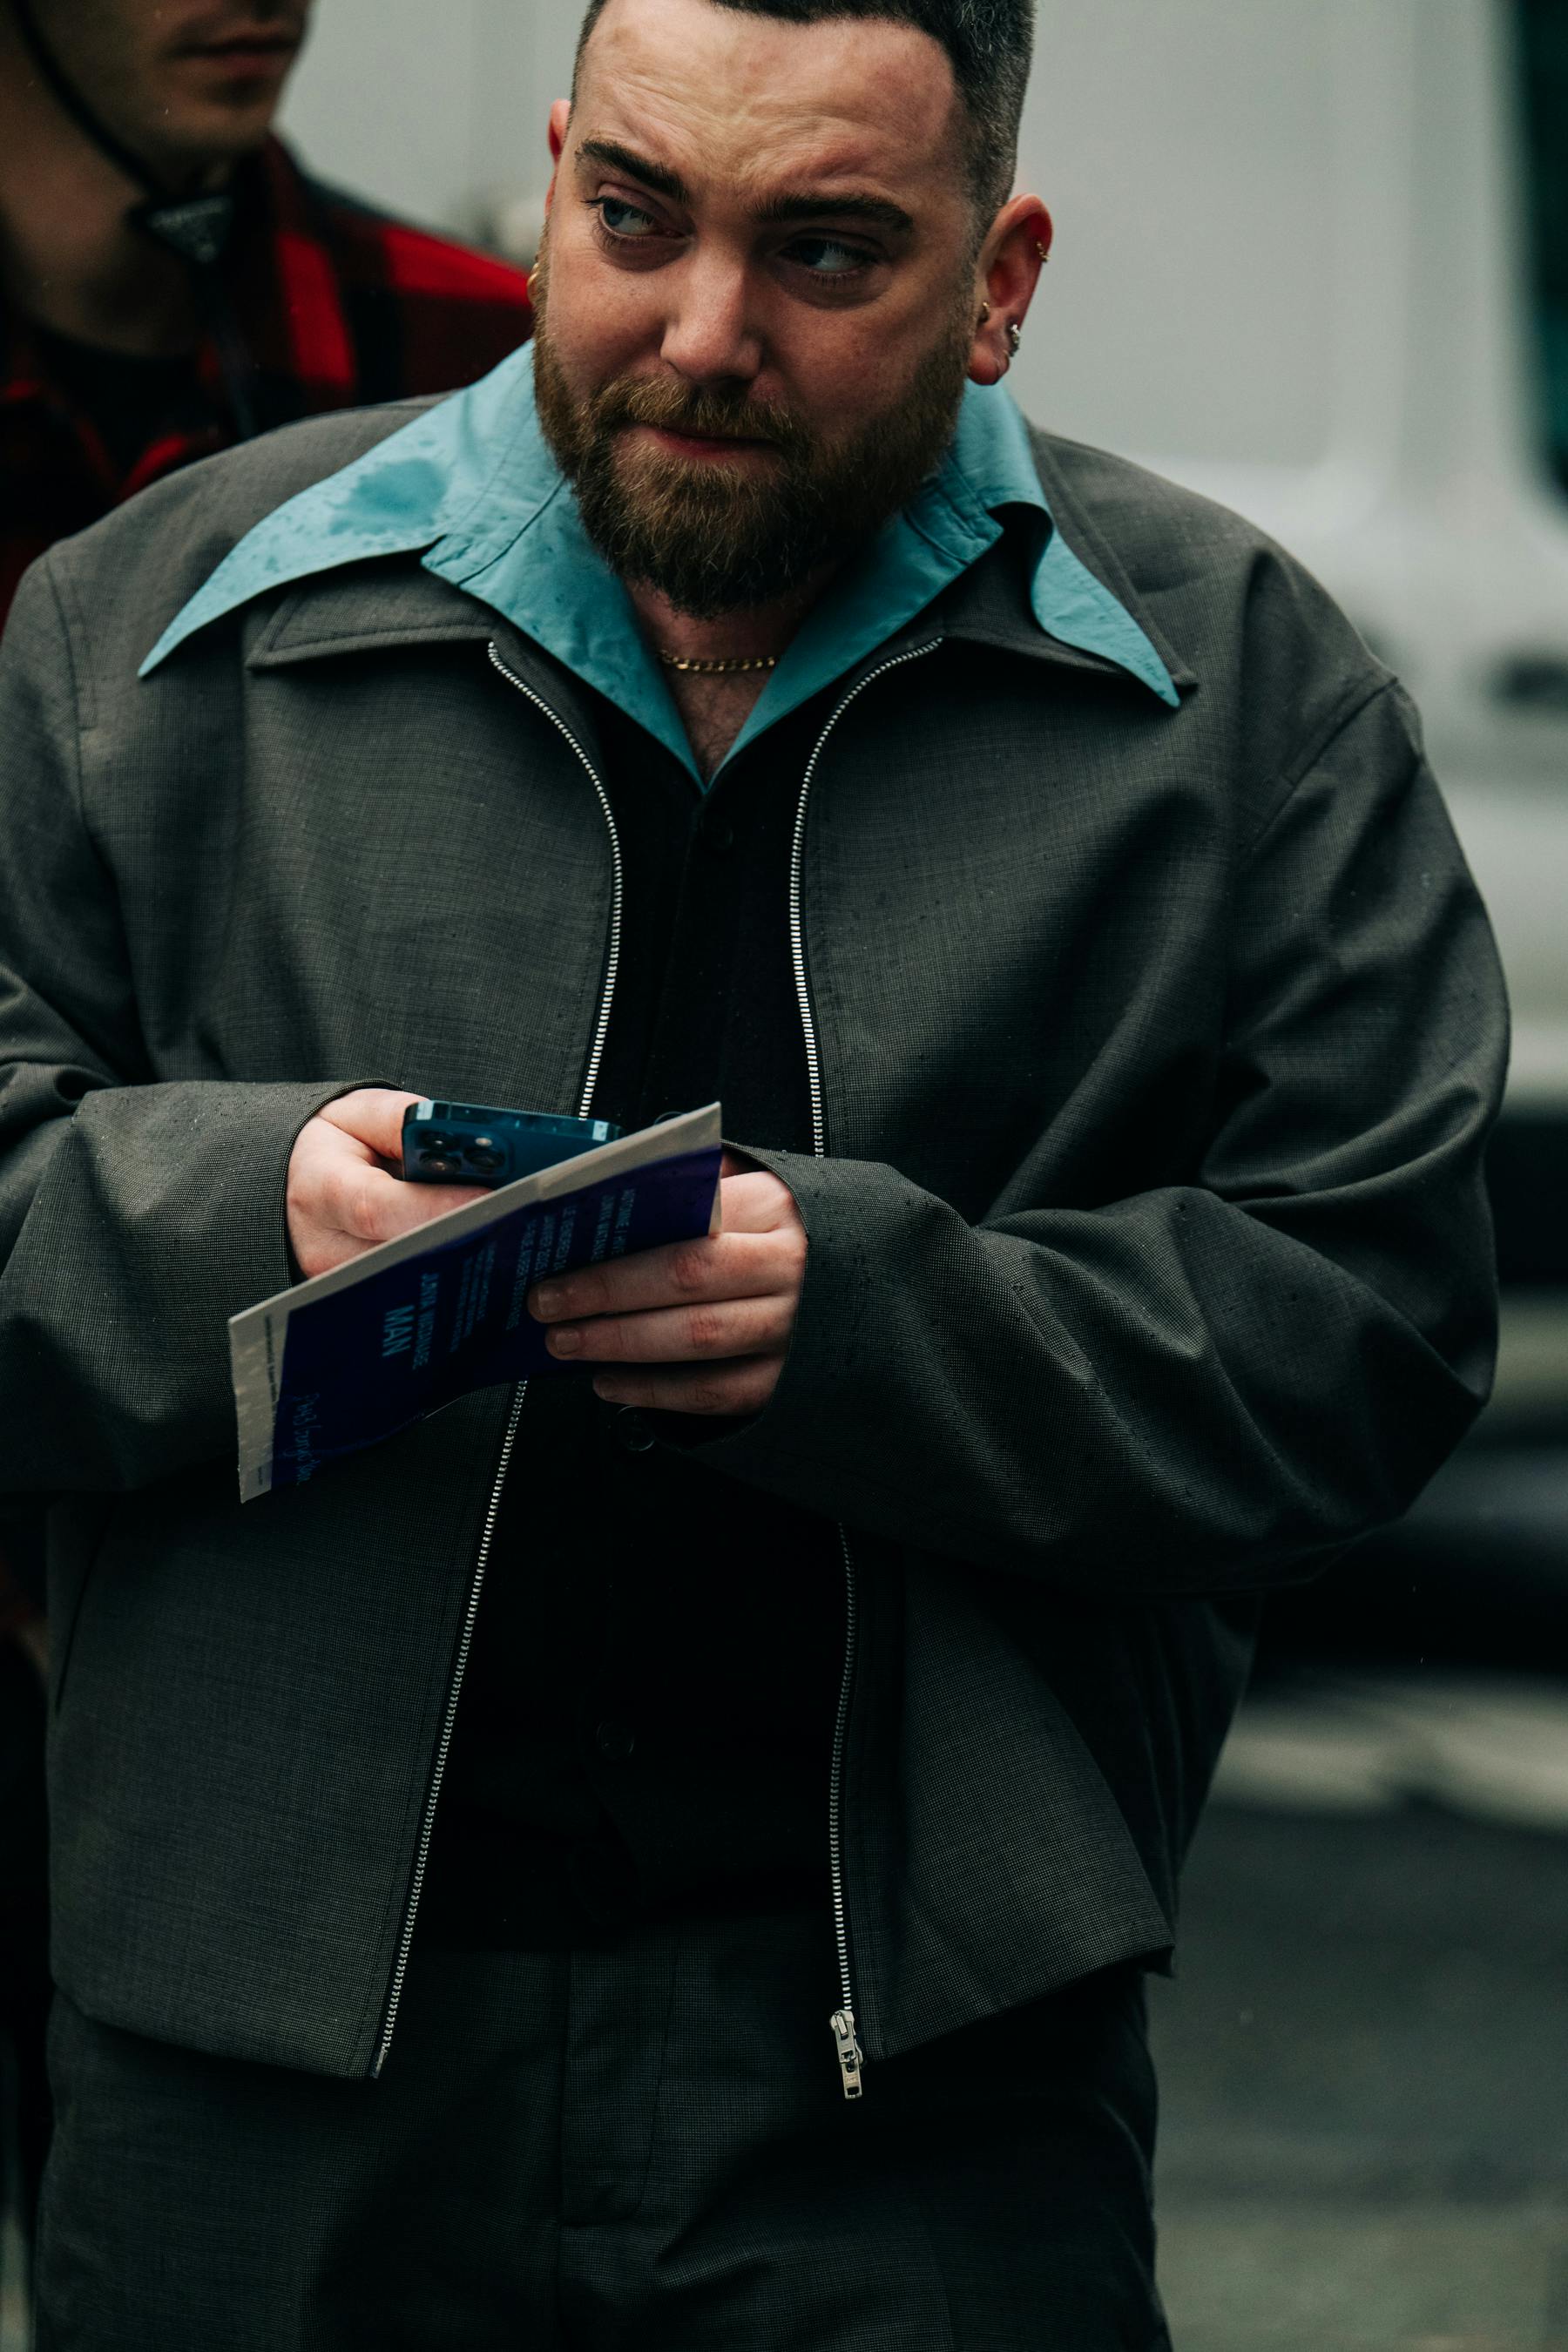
x: 217, y: 103
x: 214, y: 136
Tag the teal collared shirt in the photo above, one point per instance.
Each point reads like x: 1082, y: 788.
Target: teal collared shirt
x: 472, y: 488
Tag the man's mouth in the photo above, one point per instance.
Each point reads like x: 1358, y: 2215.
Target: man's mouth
x: 708, y: 445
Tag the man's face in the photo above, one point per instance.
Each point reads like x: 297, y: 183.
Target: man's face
x: 183, y: 82
x: 758, y: 300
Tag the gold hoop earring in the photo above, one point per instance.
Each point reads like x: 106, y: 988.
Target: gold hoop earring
x: 985, y: 313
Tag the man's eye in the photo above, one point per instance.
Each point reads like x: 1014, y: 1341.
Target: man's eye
x: 622, y: 219
x: 828, y: 257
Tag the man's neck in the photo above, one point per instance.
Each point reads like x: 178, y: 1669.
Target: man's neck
x: 715, y: 706
x: 68, y: 259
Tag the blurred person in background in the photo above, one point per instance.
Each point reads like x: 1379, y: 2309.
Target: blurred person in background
x: 171, y: 282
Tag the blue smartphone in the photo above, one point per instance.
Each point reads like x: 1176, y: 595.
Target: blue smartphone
x: 476, y: 1143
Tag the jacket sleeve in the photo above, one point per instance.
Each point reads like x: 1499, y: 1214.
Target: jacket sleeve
x: 134, y: 1217
x: 1215, y: 1384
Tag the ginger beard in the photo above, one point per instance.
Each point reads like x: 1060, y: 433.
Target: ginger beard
x: 716, y: 538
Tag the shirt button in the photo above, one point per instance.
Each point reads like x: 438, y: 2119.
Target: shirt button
x: 633, y: 1431
x: 614, y: 1741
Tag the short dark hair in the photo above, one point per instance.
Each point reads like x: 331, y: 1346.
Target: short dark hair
x: 989, y: 43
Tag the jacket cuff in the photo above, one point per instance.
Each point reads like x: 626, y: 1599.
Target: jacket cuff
x: 809, y: 1441
x: 163, y: 1213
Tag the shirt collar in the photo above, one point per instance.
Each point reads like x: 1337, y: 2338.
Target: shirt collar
x: 472, y: 488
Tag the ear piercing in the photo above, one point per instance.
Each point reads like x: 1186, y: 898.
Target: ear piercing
x: 1014, y: 332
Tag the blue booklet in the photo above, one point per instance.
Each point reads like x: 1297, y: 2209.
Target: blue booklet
x: 351, y: 1357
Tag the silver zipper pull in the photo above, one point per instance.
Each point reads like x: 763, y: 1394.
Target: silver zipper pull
x: 848, y: 2050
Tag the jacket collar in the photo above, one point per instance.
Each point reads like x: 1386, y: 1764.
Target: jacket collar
x: 472, y: 488
x: 989, y: 606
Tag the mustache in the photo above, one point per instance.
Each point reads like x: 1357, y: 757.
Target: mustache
x: 706, y: 411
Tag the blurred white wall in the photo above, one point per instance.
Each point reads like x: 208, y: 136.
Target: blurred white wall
x: 1180, y: 185
x: 436, y: 109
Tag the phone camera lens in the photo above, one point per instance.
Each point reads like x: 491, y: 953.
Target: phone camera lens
x: 486, y: 1161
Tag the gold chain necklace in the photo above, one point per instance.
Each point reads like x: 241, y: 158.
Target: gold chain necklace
x: 720, y: 668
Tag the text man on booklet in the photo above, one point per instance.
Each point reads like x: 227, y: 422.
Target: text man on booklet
x: 483, y: 1871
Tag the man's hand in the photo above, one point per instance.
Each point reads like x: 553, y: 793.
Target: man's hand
x: 341, y: 1196
x: 699, y: 1326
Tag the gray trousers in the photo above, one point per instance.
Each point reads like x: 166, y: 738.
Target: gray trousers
x: 644, y: 2149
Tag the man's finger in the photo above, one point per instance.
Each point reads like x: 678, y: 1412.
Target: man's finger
x: 373, y: 1116
x: 678, y: 1335
x: 719, y: 1266
x: 721, y: 1391
x: 377, y: 1207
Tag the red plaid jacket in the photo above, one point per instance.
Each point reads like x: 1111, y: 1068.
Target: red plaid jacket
x: 339, y: 306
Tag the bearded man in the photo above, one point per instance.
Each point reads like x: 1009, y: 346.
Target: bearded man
x: 672, y: 1858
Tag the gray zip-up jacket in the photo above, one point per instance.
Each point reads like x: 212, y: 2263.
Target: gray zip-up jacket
x: 1152, y: 1054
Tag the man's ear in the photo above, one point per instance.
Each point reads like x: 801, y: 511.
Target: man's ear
x: 1016, y: 248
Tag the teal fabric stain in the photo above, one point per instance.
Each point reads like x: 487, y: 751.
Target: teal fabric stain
x: 408, y: 487
x: 471, y: 488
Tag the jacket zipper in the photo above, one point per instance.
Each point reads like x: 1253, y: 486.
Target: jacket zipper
x: 487, y: 1535
x: 845, y: 2039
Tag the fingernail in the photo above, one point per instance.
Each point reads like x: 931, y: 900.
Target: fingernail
x: 548, y: 1300
x: 565, y: 1340
x: 607, y: 1390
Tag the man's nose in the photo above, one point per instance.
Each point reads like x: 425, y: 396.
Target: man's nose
x: 710, y: 334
